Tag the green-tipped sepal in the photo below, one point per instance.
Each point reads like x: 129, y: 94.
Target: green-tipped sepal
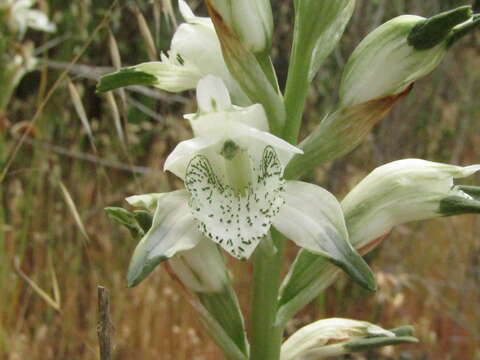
x: 433, y: 31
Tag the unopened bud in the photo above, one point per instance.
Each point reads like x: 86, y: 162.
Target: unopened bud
x: 250, y: 20
x: 329, y: 337
x: 398, y: 53
x: 404, y: 191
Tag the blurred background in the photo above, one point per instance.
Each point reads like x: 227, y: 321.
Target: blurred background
x: 57, y: 244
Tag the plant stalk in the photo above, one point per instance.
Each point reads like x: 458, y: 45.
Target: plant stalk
x: 266, y: 338
x: 297, y: 84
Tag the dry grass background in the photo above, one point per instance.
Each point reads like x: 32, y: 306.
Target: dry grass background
x: 428, y: 273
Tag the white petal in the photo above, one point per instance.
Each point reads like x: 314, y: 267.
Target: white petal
x: 313, y: 219
x: 185, y: 10
x: 38, y: 21
x: 190, y: 17
x: 250, y: 137
x: 212, y: 95
x: 233, y: 125
x: 171, y: 75
x: 173, y: 230
x: 219, y: 122
x: 180, y: 157
x: 237, y: 222
x: 198, y: 45
x: 253, y: 116
x: 202, y: 268
x: 147, y: 201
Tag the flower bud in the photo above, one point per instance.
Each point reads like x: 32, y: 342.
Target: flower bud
x: 250, y: 20
x: 335, y: 337
x: 398, y: 53
x: 403, y: 191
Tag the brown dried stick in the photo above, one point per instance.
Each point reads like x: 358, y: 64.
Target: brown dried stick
x: 104, y: 325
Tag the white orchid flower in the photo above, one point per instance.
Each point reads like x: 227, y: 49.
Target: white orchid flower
x: 235, y: 192
x: 400, y: 192
x: 20, y: 16
x: 330, y: 337
x: 195, y: 52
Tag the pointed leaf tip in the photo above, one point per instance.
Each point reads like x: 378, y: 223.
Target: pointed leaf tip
x: 356, y: 267
x: 140, y: 268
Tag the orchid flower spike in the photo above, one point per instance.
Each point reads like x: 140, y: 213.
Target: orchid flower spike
x: 235, y: 192
x: 194, y: 53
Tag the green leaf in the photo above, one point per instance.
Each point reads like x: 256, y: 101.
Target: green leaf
x: 224, y: 308
x: 308, y: 276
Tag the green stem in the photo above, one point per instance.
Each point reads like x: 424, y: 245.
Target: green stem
x: 297, y: 84
x: 266, y: 338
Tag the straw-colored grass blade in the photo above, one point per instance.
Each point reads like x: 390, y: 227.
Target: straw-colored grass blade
x: 116, y: 118
x: 79, y: 108
x: 37, y: 289
x: 146, y: 35
x: 73, y: 210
